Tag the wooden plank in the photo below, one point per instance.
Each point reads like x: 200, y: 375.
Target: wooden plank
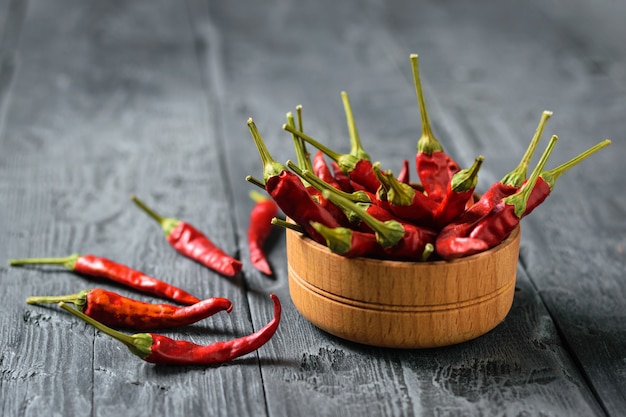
x: 497, y: 80
x: 267, y: 63
x: 108, y: 102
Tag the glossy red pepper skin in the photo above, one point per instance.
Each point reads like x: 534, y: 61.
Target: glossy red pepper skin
x: 412, y: 245
x: 342, y: 179
x: 434, y: 173
x: 165, y: 350
x: 189, y: 241
x: 363, y: 175
x: 321, y: 169
x: 294, y: 200
x: 120, y: 312
x: 421, y: 210
x: 104, y: 268
x: 259, y: 229
x: 404, y: 176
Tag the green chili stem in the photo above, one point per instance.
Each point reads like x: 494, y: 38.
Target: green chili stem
x: 347, y: 162
x: 167, y: 223
x: 552, y: 175
x: 517, y: 177
x: 299, y: 115
x: 466, y: 179
x: 398, y: 193
x: 338, y: 239
x: 287, y: 225
x: 79, y: 299
x: 303, y: 157
x: 255, y: 181
x: 427, y: 143
x: 428, y: 250
x: 356, y: 148
x: 270, y: 166
x: 388, y: 233
x: 68, y: 261
x: 140, y: 343
x: 520, y: 198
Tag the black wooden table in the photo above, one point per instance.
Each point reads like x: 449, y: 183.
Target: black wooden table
x: 103, y: 99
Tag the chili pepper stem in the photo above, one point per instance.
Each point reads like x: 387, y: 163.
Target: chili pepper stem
x: 270, y: 166
x: 79, y: 299
x: 398, y: 193
x: 287, y: 225
x: 337, y: 238
x: 67, y: 261
x: 255, y: 181
x: 518, y: 175
x: 303, y: 157
x: 356, y: 148
x: 520, y: 199
x: 428, y: 250
x: 167, y: 223
x: 427, y: 143
x: 140, y: 343
x: 466, y: 179
x: 553, y: 174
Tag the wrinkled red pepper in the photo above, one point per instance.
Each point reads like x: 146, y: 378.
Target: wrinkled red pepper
x: 259, y: 229
x: 117, y: 311
x: 191, y: 242
x: 434, y: 166
x: 162, y: 350
x: 100, y: 267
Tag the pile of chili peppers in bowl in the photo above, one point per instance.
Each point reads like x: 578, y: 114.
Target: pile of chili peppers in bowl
x: 357, y: 209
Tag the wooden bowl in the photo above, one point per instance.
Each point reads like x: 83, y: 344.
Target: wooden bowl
x: 402, y: 304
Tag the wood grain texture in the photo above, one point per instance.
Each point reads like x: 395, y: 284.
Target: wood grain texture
x: 100, y: 100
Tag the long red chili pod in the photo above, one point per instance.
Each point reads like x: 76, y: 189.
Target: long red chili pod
x: 508, y: 185
x: 289, y: 192
x: 404, y: 176
x: 547, y: 179
x: 460, y: 190
x: 192, y: 243
x: 121, y: 312
x: 342, y: 178
x: 358, y: 169
x: 405, y: 201
x: 321, y: 169
x: 434, y: 166
x: 259, y: 229
x: 162, y: 350
x: 100, y: 267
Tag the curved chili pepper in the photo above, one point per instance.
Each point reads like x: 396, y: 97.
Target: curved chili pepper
x: 547, y: 179
x: 341, y: 177
x: 321, y: 169
x: 121, y: 312
x: 404, y: 176
x: 100, y: 267
x: 434, y: 166
x: 289, y: 192
x: 159, y: 349
x: 261, y: 215
x: 191, y: 242
x: 460, y: 190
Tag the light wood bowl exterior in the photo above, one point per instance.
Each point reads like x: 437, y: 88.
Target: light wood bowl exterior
x: 402, y: 304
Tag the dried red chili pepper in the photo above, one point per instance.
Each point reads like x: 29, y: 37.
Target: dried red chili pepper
x: 404, y: 176
x: 100, y: 267
x: 405, y: 201
x: 159, y: 349
x: 460, y: 190
x: 547, y: 179
x: 358, y: 169
x: 259, y: 229
x: 507, y: 186
x: 434, y: 166
x: 321, y: 169
x: 191, y: 242
x: 342, y: 178
x: 121, y: 312
x: 289, y: 192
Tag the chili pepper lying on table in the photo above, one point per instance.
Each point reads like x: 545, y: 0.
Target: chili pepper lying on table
x: 121, y: 312
x: 496, y: 226
x: 96, y: 266
x: 159, y: 349
x: 191, y: 242
x: 288, y: 191
x: 261, y: 215
x: 434, y: 166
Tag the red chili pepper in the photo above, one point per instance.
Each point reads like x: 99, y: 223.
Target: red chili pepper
x: 159, y: 349
x: 508, y: 185
x: 405, y: 201
x: 259, y: 229
x: 460, y: 190
x: 547, y: 179
x: 404, y: 176
x: 118, y: 311
x: 342, y: 178
x: 321, y: 169
x: 348, y: 242
x: 434, y: 166
x: 191, y: 242
x: 96, y: 266
x: 289, y: 192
